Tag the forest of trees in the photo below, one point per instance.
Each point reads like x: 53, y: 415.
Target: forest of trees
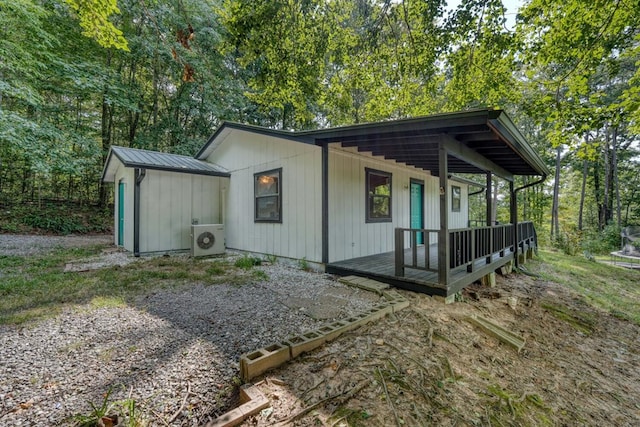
x: 77, y: 76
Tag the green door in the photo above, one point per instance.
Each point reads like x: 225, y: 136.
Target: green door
x: 417, y: 208
x: 121, y: 214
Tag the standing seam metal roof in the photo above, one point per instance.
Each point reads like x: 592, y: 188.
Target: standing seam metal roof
x: 134, y: 157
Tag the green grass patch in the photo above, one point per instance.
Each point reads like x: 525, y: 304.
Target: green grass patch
x: 503, y: 407
x: 581, y: 321
x: 608, y: 287
x: 246, y: 262
x: 36, y: 287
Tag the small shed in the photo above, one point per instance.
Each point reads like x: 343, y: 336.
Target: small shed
x: 158, y: 196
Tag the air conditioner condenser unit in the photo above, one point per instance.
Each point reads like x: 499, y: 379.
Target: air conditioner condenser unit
x: 207, y: 239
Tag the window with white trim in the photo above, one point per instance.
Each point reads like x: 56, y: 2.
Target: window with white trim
x: 268, y: 196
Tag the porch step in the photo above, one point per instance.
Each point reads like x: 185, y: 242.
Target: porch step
x: 364, y: 283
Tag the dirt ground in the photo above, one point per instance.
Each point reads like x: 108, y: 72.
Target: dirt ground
x: 428, y: 365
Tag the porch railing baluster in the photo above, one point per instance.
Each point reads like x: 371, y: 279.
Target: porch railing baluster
x: 467, y: 245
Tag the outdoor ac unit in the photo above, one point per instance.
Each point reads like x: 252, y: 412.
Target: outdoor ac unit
x: 207, y: 239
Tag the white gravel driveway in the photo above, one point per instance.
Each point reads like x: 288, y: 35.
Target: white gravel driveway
x: 174, y: 351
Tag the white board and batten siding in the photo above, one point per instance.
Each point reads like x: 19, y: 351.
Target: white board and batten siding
x: 350, y: 236
x: 299, y: 235
x: 169, y: 201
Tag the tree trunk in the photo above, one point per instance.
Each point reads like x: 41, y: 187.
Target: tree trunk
x: 606, y: 199
x: 555, y: 226
x: 614, y: 174
x: 106, y: 127
x: 585, y: 170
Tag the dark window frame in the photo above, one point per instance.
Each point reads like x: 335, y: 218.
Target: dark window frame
x: 456, y: 199
x: 256, y: 197
x: 369, y: 196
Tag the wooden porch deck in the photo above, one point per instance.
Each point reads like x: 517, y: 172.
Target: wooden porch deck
x: 381, y: 267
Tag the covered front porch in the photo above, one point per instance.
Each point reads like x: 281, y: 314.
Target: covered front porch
x: 433, y: 254
x: 473, y: 253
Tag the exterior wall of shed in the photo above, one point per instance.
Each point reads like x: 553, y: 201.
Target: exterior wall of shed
x: 350, y: 236
x: 169, y: 201
x: 299, y: 235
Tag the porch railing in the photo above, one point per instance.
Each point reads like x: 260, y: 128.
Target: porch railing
x: 466, y: 246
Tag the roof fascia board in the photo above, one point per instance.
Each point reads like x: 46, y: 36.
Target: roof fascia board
x: 179, y: 170
x: 506, y: 129
x: 418, y: 125
x: 106, y: 166
x: 464, y: 153
x: 211, y: 144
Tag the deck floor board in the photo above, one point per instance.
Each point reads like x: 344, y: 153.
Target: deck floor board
x: 382, y: 267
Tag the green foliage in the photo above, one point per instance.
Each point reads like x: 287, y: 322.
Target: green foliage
x: 568, y: 241
x: 246, y: 262
x: 57, y: 218
x: 112, y: 409
x: 271, y: 258
x: 99, y: 411
x: 610, y: 288
x: 259, y: 275
x: 602, y: 242
x: 303, y: 264
x: 94, y: 20
x: 567, y: 74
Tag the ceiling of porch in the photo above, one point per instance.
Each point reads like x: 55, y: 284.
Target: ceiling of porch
x: 476, y: 141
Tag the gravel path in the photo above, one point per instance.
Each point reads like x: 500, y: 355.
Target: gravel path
x: 171, y: 350
x: 21, y: 245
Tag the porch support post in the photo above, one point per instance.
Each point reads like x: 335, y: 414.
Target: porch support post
x: 489, y: 210
x: 513, y: 204
x: 489, y: 198
x: 325, y: 203
x: 443, y: 233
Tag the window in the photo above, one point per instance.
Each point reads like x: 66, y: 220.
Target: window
x: 268, y: 195
x: 378, y: 196
x: 455, y: 198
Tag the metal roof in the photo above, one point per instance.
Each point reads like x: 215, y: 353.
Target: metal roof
x: 145, y: 159
x: 478, y: 141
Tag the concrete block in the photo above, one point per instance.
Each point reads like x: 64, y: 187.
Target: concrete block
x: 364, y: 283
x: 252, y: 401
x: 373, y: 286
x: 357, y: 321
x: 489, y: 280
x: 348, y: 280
x: 305, y: 342
x: 382, y: 310
x: 332, y: 331
x: 392, y: 295
x: 229, y: 419
x: 400, y: 305
x: 257, y: 362
x: 506, y: 269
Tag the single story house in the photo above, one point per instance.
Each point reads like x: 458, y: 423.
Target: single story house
x: 380, y: 200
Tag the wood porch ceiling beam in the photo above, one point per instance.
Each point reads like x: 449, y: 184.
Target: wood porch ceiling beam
x: 457, y: 149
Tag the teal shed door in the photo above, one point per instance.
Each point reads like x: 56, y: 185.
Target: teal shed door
x: 121, y: 214
x: 417, y: 209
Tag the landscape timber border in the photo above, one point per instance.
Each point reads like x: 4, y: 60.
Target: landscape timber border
x: 259, y: 361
